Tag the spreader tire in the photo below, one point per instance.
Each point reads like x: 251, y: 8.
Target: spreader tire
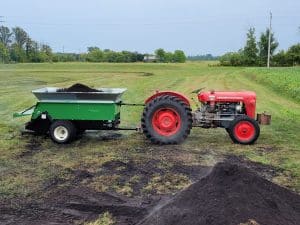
x: 244, y: 130
x: 62, y: 131
x: 166, y: 120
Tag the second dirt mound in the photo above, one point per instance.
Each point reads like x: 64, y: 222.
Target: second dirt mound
x: 230, y: 194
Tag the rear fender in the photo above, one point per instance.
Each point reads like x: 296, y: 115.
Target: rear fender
x: 171, y: 93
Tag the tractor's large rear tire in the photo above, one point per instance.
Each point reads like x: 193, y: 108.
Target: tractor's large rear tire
x: 244, y: 130
x: 167, y: 120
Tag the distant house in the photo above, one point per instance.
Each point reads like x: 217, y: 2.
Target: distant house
x: 150, y: 58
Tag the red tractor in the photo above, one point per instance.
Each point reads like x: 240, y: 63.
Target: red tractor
x: 167, y: 117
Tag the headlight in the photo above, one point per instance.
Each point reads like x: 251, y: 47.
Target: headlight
x: 238, y: 108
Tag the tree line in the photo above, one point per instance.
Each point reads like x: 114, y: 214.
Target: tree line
x: 165, y: 57
x: 16, y: 46
x: 256, y: 53
x: 95, y: 54
x: 206, y: 57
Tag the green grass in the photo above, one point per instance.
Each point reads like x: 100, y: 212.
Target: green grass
x: 277, y: 91
x: 283, y: 80
x: 104, y: 219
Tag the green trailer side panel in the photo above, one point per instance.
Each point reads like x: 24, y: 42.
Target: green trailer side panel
x: 78, y: 111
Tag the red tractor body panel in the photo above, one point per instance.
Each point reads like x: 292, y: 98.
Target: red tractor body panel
x: 170, y: 93
x: 247, y: 97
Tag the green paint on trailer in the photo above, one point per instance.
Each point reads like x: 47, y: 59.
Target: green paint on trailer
x: 78, y: 110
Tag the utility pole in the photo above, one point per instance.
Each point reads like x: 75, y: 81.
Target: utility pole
x: 269, y: 44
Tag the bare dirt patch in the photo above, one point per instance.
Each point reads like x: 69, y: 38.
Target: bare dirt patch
x: 32, y: 147
x: 230, y: 194
x: 127, y: 199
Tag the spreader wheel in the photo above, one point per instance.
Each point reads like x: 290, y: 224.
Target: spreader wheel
x: 244, y: 130
x: 62, y: 131
x: 167, y: 120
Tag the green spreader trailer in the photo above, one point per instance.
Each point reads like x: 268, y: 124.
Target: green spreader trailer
x: 66, y: 114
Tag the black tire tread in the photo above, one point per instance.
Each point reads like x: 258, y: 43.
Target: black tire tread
x: 245, y: 118
x: 164, y: 98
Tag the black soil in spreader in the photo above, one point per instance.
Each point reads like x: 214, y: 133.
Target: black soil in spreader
x: 78, y: 88
x: 230, y: 194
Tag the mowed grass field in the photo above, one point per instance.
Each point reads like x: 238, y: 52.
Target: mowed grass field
x: 30, y: 165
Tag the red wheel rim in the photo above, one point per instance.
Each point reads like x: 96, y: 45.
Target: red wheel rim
x: 166, y: 121
x: 244, y: 130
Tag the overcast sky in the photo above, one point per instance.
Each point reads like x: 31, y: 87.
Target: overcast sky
x: 195, y: 26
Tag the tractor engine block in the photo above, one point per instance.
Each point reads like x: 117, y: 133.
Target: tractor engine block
x: 217, y: 114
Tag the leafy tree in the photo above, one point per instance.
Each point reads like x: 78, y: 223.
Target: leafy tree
x: 17, y: 54
x: 232, y: 59
x: 169, y: 57
x: 163, y: 56
x: 160, y: 55
x: 119, y: 57
x: 93, y: 48
x: 127, y: 56
x: 110, y: 56
x: 5, y: 36
x: 97, y: 55
x: 45, y: 53
x: 137, y: 57
x: 293, y: 55
x: 280, y: 59
x: 250, y: 50
x: 4, y: 54
x: 94, y: 55
x: 263, y: 46
x: 68, y: 57
x: 20, y: 36
x: 179, y: 56
x: 32, y: 50
x: 206, y: 57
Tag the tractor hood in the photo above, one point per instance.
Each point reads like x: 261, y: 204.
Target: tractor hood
x: 227, y: 96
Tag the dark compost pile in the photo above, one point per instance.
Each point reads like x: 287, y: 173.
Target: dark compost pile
x: 230, y: 194
x: 78, y: 88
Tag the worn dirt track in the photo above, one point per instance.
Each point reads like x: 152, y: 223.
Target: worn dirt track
x: 73, y: 202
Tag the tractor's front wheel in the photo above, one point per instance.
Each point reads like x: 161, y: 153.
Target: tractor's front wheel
x: 62, y: 131
x: 244, y: 130
x: 166, y: 120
